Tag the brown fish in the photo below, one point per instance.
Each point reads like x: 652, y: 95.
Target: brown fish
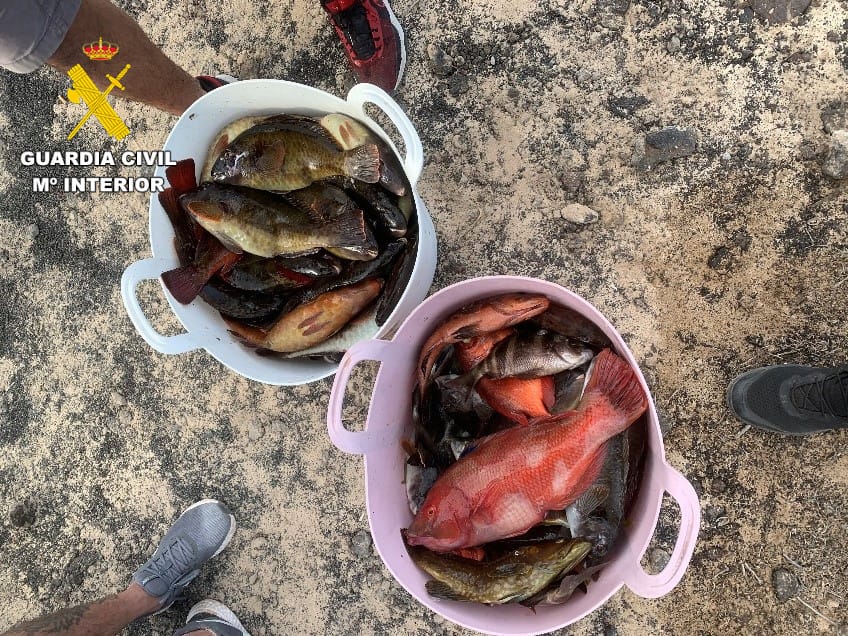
x: 313, y: 322
x: 573, y: 325
x: 285, y: 156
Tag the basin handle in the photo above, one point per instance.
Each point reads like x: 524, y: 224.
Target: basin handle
x: 362, y: 442
x: 360, y: 94
x: 150, y: 269
x: 656, y: 585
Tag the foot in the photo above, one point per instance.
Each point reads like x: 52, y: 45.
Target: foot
x: 210, y: 83
x: 372, y: 39
x: 199, y: 534
x: 212, y: 617
x: 791, y: 399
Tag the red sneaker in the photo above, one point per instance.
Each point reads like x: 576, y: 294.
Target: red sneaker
x: 372, y: 38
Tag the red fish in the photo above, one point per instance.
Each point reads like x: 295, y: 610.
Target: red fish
x: 506, y: 485
x: 489, y: 314
x: 185, y: 282
x: 521, y: 400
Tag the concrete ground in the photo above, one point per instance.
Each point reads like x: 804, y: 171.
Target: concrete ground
x: 733, y: 256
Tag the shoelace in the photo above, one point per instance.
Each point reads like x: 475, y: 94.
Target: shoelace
x: 177, y: 554
x: 814, y: 396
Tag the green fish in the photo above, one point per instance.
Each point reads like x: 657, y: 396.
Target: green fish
x: 264, y: 224
x: 287, y: 153
x: 516, y: 576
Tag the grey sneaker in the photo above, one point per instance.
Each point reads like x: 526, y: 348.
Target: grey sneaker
x: 199, y: 534
x: 214, y: 617
x: 791, y: 399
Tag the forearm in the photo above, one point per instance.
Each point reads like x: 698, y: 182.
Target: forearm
x: 153, y: 79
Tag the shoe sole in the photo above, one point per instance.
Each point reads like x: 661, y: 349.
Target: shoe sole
x: 230, y: 534
x: 399, y: 30
x: 217, y: 609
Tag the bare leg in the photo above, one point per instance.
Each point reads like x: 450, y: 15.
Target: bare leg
x: 154, y: 79
x: 105, y: 617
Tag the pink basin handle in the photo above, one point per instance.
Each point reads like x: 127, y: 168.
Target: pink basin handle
x: 357, y: 443
x: 656, y: 585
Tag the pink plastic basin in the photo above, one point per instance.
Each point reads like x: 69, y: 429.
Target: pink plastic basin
x: 389, y: 421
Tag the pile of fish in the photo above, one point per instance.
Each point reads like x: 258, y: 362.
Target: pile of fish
x: 525, y: 457
x: 302, y: 233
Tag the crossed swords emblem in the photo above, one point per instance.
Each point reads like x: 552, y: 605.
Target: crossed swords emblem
x: 85, y: 90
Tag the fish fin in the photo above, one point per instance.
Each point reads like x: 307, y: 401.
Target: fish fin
x: 272, y: 159
x: 249, y: 335
x: 184, y: 283
x: 346, y: 231
x: 437, y: 589
x: 228, y: 243
x: 548, y: 392
x: 363, y: 163
x: 205, y: 210
x: 594, y: 465
x: 181, y: 176
x: 590, y: 500
x: 614, y: 378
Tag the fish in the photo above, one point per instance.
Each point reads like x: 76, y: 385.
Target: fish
x: 566, y: 587
x: 398, y: 280
x: 354, y: 272
x: 362, y: 327
x: 418, y: 479
x: 514, y: 577
x: 321, y: 200
x: 265, y: 225
x: 256, y: 273
x: 180, y: 176
x: 351, y: 134
x: 185, y: 238
x: 474, y: 319
x: 311, y: 323
x: 512, y: 478
x: 519, y: 399
x: 285, y: 155
x: 223, y: 139
x: 574, y: 325
x: 185, y: 282
x: 367, y: 251
x: 240, y: 304
x: 380, y: 209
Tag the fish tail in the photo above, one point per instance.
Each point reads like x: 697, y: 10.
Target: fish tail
x: 184, y: 283
x: 363, y: 163
x: 347, y: 230
x: 390, y: 180
x: 248, y: 335
x: 181, y: 176
x: 614, y: 378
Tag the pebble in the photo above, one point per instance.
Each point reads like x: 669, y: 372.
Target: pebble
x: 258, y: 546
x: 21, y: 515
x: 360, y: 544
x: 492, y: 61
x: 580, y: 214
x: 835, y: 117
x: 719, y: 486
x: 32, y: 230
x: 253, y: 579
x: 842, y: 629
x: 673, y: 45
x: 658, y: 559
x: 117, y: 399
x: 255, y: 431
x: 669, y: 143
x: 786, y: 585
x: 779, y: 11
x: 835, y: 164
x: 807, y: 150
x: 833, y: 36
x: 610, y: 630
x: 440, y: 62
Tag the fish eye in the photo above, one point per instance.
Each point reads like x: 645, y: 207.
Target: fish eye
x: 431, y: 511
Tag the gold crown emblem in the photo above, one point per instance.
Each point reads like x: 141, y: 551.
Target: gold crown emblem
x: 100, y: 50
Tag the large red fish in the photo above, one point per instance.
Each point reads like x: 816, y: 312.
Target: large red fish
x: 519, y: 399
x: 507, y: 484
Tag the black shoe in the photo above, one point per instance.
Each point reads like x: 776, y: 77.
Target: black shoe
x: 791, y: 399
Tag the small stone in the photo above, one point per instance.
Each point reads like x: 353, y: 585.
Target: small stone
x: 658, y: 559
x: 583, y: 76
x: 835, y: 164
x: 580, y: 214
x: 786, y: 585
x: 360, y: 544
x: 842, y: 629
x: 808, y: 150
x: 32, y: 230
x: 719, y: 486
x: 669, y: 143
x: 492, y: 61
x: 258, y: 546
x: 21, y: 515
x: 255, y: 431
x: 117, y: 399
x: 253, y: 579
x: 440, y: 62
x: 513, y: 93
x: 779, y: 11
x: 835, y: 117
x: 673, y: 45
x: 833, y: 36
x: 725, y: 157
x: 610, y: 630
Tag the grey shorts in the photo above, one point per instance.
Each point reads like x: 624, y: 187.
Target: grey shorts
x: 32, y: 30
